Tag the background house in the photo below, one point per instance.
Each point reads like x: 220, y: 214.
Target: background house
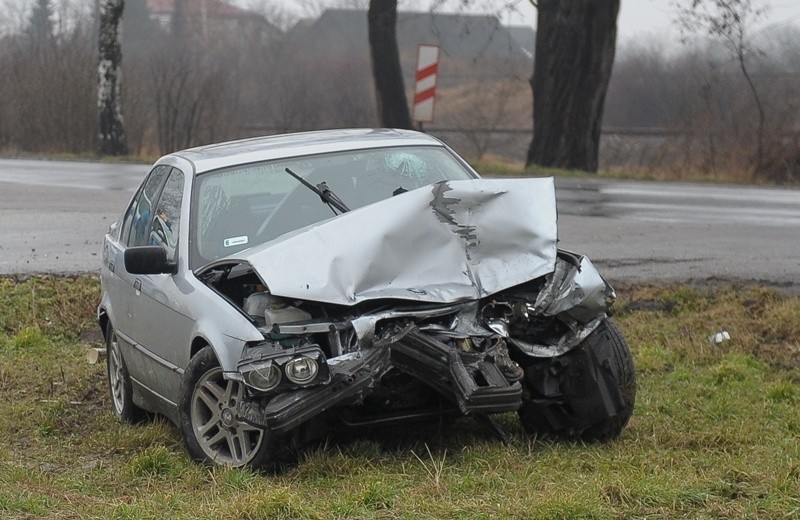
x: 214, y: 19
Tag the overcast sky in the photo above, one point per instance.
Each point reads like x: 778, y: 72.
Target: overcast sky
x: 646, y: 18
x: 637, y: 18
x: 641, y: 18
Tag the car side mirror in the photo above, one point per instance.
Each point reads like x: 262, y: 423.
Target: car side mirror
x: 148, y: 260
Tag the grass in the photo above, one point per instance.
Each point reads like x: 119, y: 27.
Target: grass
x: 10, y: 153
x: 715, y: 434
x: 493, y: 166
x: 499, y: 167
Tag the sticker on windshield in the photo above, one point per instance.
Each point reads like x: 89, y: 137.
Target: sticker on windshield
x: 235, y: 241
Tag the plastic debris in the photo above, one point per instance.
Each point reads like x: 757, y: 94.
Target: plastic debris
x: 719, y: 337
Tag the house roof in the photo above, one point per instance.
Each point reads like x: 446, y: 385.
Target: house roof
x: 216, y: 8
x: 461, y: 36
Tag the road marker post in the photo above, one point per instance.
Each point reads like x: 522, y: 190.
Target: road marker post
x: 425, y: 81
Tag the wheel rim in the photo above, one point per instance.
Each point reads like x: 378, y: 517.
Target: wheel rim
x: 116, y: 377
x: 222, y: 438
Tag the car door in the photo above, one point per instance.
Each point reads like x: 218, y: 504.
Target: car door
x: 163, y: 325
x: 120, y: 282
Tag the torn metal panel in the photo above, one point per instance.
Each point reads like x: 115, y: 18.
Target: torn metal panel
x: 576, y: 288
x: 566, y: 343
x: 453, y: 241
x: 572, y: 302
x: 476, y: 380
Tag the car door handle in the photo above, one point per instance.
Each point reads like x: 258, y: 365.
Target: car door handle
x: 137, y: 284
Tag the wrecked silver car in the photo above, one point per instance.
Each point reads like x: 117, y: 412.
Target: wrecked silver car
x: 263, y: 292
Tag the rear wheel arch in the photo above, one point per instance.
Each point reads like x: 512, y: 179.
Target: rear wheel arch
x: 103, y: 321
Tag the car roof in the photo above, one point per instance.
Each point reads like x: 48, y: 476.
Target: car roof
x: 244, y: 151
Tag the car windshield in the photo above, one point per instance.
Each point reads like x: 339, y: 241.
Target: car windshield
x: 242, y: 206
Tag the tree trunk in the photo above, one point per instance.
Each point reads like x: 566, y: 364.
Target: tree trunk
x: 575, y: 44
x: 386, y: 70
x: 111, y: 133
x: 758, y: 161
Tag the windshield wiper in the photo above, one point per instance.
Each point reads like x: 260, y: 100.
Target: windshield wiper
x: 325, y: 194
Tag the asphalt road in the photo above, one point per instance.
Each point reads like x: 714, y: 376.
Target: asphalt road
x: 53, y: 215
x: 647, y: 231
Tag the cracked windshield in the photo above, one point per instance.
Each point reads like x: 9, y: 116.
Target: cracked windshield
x: 249, y: 205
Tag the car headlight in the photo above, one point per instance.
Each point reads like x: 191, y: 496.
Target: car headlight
x: 265, y: 377
x: 272, y: 367
x: 301, y: 370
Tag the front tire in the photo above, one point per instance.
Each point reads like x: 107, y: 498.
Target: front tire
x: 208, y: 419
x: 588, y: 393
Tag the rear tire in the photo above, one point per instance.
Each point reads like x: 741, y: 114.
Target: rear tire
x: 207, y: 417
x: 120, y: 387
x: 588, y: 393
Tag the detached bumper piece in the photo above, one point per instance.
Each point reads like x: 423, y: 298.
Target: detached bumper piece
x: 473, y: 380
x: 350, y: 379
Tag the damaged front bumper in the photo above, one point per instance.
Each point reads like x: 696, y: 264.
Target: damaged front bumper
x: 468, y: 352
x: 350, y: 379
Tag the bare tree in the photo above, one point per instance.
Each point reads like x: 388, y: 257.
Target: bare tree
x: 480, y: 108
x: 110, y: 129
x: 189, y: 93
x: 575, y: 45
x: 386, y: 70
x: 40, y: 27
x: 14, y: 18
x: 53, y: 115
x: 279, y: 14
x: 729, y: 22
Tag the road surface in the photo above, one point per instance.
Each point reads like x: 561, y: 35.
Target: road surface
x: 648, y: 231
x: 53, y: 215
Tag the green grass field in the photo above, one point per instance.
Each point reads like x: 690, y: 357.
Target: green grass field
x: 715, y: 433
x: 497, y: 167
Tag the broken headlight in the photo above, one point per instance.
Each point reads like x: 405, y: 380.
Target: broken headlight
x: 263, y: 378
x: 269, y: 366
x: 301, y: 370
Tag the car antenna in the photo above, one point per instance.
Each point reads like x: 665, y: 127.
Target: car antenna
x: 325, y: 194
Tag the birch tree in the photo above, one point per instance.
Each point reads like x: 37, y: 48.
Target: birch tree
x: 110, y: 128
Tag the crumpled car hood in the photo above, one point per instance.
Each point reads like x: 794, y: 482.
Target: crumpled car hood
x: 452, y: 241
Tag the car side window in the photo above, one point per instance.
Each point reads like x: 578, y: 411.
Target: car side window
x: 141, y: 210
x: 128, y: 219
x: 165, y: 226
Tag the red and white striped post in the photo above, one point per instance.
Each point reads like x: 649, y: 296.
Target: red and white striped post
x: 425, y: 83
